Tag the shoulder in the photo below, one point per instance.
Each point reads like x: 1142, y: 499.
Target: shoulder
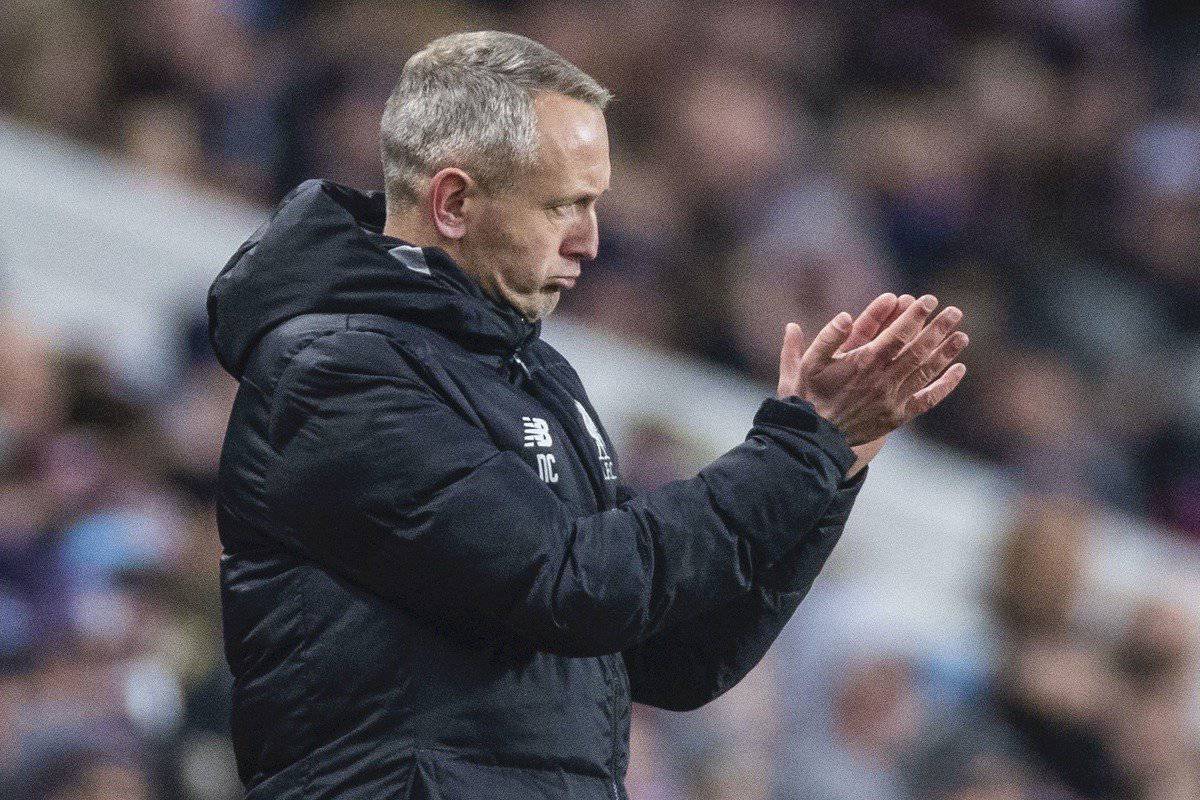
x: 328, y: 345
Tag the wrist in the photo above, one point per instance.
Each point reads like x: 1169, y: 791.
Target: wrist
x: 796, y: 414
x: 863, y: 453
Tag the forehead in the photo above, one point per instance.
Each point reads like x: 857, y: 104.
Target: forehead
x: 573, y: 142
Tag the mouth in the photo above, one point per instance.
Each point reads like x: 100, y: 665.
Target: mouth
x: 563, y: 282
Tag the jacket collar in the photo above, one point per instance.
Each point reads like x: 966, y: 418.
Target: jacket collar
x: 323, y: 251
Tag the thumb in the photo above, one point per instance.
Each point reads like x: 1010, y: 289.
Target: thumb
x: 821, y: 351
x: 789, y: 360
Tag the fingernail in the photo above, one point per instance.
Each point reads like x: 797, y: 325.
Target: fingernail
x: 953, y: 314
x: 961, y: 339
x: 928, y: 302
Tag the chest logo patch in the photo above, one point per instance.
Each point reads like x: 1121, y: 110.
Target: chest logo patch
x: 537, y: 432
x: 601, y: 448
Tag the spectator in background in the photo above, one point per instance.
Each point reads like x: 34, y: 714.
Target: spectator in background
x: 1044, y: 699
x: 159, y: 138
x: 106, y: 667
x: 1154, y: 741
x: 848, y: 703
x: 30, y: 400
x: 58, y: 70
x: 810, y: 257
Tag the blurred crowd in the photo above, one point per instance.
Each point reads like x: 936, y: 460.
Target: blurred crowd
x: 1046, y: 704
x: 1035, y: 162
x: 112, y: 682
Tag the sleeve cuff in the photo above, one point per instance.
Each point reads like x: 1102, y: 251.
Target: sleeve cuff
x: 853, y: 484
x: 798, y: 415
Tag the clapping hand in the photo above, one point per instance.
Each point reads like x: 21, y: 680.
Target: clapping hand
x: 872, y: 374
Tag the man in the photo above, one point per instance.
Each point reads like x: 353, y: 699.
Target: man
x: 434, y: 583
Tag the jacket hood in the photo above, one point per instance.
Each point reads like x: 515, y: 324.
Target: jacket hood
x: 323, y: 251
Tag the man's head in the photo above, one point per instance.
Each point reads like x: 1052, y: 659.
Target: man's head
x: 495, y: 149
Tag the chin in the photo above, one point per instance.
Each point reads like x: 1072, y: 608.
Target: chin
x: 545, y: 308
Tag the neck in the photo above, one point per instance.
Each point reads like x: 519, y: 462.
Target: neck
x: 410, y: 226
x: 413, y: 226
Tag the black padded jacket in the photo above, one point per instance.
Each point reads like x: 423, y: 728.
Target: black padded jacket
x: 434, y: 583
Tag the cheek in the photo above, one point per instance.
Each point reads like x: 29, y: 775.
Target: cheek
x: 535, y: 257
x: 523, y: 247
x: 503, y: 249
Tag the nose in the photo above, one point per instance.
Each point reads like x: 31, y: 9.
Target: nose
x: 583, y: 241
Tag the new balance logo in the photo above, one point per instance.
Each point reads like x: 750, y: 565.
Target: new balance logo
x: 537, y: 432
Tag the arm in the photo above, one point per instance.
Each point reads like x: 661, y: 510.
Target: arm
x: 379, y: 480
x: 699, y: 660
x: 689, y: 665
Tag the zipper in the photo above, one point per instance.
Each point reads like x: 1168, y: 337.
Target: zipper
x: 568, y: 417
x: 514, y: 358
x: 579, y: 441
x: 618, y: 686
x: 517, y: 360
x: 515, y: 370
x: 611, y: 681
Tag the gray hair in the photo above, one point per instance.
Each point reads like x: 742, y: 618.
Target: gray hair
x: 466, y: 101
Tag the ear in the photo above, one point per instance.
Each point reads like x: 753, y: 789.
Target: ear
x: 449, y: 191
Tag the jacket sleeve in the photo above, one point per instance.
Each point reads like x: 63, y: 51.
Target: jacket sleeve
x: 701, y: 658
x: 382, y: 481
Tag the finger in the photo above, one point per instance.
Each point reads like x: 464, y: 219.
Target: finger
x: 935, y: 392
x: 899, y: 334
x: 902, y: 304
x: 873, y: 318
x: 823, y: 348
x: 789, y: 360
x: 949, y: 350
x: 927, y: 341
